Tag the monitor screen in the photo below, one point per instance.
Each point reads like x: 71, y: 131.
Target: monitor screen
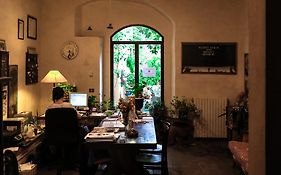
x: 78, y: 99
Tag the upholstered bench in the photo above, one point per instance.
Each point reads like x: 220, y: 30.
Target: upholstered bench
x: 239, y: 152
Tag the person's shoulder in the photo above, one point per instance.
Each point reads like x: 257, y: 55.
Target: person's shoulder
x: 67, y: 105
x: 61, y: 105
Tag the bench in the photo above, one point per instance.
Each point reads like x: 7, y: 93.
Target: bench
x: 239, y: 152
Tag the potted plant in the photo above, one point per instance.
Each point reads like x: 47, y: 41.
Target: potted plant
x: 68, y: 88
x: 137, y: 91
x: 158, y: 111
x: 183, y: 114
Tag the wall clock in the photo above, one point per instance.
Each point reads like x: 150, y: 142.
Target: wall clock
x: 69, y: 50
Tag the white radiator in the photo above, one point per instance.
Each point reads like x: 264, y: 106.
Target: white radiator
x: 210, y: 125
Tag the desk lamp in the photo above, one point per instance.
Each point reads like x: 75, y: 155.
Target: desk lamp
x: 54, y: 76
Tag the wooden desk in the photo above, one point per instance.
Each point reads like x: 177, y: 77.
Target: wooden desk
x: 27, y: 150
x: 124, y: 150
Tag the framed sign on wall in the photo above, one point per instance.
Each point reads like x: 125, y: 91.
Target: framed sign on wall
x: 209, y: 57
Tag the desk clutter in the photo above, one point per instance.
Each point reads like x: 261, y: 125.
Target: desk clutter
x: 103, y: 134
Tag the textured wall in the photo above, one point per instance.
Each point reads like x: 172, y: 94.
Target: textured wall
x: 10, y: 12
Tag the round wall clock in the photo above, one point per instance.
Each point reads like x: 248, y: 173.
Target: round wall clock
x: 69, y: 50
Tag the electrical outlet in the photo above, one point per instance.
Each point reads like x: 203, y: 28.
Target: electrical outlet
x: 91, y: 90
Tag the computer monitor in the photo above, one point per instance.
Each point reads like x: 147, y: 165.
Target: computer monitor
x: 78, y: 99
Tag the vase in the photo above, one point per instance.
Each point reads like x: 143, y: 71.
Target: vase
x: 139, y: 103
x: 125, y: 117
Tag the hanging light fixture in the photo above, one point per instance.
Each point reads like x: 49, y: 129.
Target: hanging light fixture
x: 90, y: 28
x: 109, y: 26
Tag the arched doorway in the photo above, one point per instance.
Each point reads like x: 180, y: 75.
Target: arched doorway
x: 137, y: 60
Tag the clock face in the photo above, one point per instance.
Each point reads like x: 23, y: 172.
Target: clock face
x: 69, y: 50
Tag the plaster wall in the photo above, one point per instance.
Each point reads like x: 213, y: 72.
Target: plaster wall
x: 257, y: 82
x: 180, y: 21
x: 10, y: 12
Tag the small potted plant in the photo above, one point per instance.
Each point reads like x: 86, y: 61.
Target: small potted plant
x: 158, y: 111
x: 137, y: 91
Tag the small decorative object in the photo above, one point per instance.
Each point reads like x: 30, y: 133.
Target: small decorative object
x: 125, y: 107
x: 31, y: 27
x: 69, y: 50
x: 20, y: 29
x: 132, y: 133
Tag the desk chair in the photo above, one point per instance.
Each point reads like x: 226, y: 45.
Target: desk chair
x: 11, y: 166
x: 62, y: 136
x: 157, y: 159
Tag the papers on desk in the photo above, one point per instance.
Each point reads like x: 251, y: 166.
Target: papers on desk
x: 96, y: 114
x: 143, y: 120
x: 101, y: 137
x: 113, y: 124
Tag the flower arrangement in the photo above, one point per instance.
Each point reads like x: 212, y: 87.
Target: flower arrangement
x: 125, y: 106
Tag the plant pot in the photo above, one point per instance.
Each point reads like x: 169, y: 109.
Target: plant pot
x: 182, y: 132
x: 139, y: 103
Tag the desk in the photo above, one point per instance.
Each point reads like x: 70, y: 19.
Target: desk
x: 124, y: 149
x: 29, y: 148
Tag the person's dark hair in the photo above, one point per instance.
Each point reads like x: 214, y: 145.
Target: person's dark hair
x: 58, y: 93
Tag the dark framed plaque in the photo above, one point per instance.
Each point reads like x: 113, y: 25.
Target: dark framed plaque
x: 31, y: 74
x: 4, y: 63
x: 209, y: 57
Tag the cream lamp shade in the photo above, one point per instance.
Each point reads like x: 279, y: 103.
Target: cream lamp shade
x: 54, y: 76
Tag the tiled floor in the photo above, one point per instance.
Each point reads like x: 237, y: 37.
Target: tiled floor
x: 200, y: 158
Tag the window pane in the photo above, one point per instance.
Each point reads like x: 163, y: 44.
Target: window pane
x: 137, y: 33
x: 124, y: 70
x: 150, y: 71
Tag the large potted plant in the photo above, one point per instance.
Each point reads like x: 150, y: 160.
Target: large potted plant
x: 183, y: 114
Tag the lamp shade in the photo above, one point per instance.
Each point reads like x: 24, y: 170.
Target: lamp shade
x: 54, y: 76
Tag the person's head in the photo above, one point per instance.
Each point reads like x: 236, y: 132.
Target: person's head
x: 58, y: 93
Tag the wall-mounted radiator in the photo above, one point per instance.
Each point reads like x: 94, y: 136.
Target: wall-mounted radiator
x: 211, y: 126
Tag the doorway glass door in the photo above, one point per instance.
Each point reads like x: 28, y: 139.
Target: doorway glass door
x: 136, y: 59
x: 124, y: 70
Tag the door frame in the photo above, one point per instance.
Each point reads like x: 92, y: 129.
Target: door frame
x: 136, y: 43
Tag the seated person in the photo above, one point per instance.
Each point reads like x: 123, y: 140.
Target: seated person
x: 58, y: 100
x: 63, y: 132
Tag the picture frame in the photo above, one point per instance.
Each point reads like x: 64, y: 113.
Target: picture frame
x: 20, y: 29
x: 31, y: 27
x: 2, y: 45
